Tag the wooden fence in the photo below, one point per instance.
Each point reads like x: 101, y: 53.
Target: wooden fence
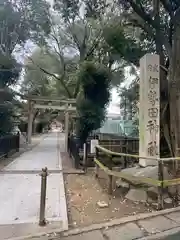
x: 123, y: 145
x: 9, y: 144
x: 106, y: 164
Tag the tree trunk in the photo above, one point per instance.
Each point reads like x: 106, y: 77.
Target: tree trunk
x: 164, y: 109
x: 174, y: 93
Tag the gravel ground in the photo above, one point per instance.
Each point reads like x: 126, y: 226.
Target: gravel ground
x: 83, y: 194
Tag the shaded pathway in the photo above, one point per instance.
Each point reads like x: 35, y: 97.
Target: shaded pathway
x: 20, y: 193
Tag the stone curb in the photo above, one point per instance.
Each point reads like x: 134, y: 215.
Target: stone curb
x: 100, y: 226
x: 120, y: 221
x: 162, y: 235
x: 79, y: 172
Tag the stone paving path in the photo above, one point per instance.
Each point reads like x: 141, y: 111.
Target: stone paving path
x: 150, y: 228
x: 25, y: 188
x: 164, y: 225
x: 20, y: 193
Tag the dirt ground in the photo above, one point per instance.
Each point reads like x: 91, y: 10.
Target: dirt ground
x: 83, y: 194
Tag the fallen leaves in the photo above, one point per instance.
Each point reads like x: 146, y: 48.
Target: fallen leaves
x: 102, y: 204
x: 89, y: 203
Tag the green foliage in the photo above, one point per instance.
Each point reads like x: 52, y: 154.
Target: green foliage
x: 35, y: 81
x: 91, y: 116
x: 47, y: 74
x: 19, y: 21
x: 68, y: 8
x: 158, y: 24
x: 129, y: 98
x: 95, y: 8
x: 6, y: 107
x: 29, y: 20
x: 9, y: 70
x: 80, y: 34
x: 95, y: 82
x: 6, y: 113
x: 121, y: 43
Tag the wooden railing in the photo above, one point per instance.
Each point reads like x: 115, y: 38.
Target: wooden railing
x: 123, y: 145
x: 106, y: 163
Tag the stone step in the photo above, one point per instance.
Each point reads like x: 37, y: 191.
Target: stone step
x: 122, y: 184
x: 148, y: 172
x: 137, y: 195
x: 152, y: 193
x: 141, y: 195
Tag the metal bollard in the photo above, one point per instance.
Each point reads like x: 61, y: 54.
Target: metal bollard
x: 44, y: 174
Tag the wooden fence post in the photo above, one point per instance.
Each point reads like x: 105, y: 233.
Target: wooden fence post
x: 96, y: 166
x: 110, y: 182
x: 85, y: 157
x: 160, y: 188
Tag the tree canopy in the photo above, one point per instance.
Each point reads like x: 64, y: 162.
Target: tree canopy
x: 76, y: 38
x: 157, y: 24
x: 81, y: 41
x: 95, y: 82
x: 19, y: 22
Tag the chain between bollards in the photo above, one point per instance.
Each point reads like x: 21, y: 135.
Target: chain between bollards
x: 44, y: 174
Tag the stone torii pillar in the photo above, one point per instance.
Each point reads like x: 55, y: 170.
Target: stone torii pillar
x: 149, y: 109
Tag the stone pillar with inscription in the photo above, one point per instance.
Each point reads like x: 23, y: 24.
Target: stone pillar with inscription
x: 149, y: 110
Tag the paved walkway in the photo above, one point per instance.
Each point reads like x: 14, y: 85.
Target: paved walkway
x: 20, y: 193
x: 162, y: 225
x: 19, y: 205
x: 142, y: 227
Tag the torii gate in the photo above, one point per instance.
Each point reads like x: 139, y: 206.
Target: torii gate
x: 39, y: 102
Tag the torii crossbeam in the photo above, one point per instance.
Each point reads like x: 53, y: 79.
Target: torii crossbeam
x: 41, y: 102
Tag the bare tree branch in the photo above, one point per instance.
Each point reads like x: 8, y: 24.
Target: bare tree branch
x: 167, y: 6
x: 88, y: 54
x: 60, y: 55
x: 148, y: 19
x: 61, y: 79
